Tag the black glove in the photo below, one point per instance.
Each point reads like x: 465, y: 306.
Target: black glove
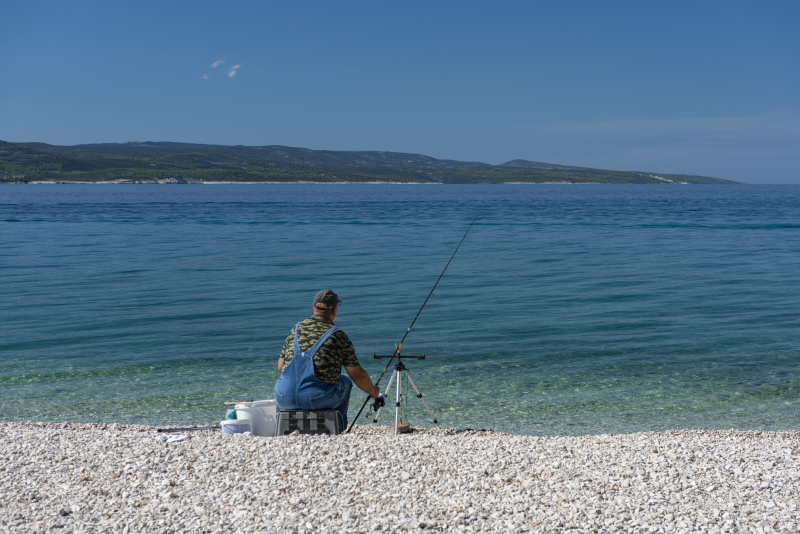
x: 380, y: 402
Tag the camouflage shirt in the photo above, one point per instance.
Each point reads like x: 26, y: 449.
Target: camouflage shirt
x: 332, y: 355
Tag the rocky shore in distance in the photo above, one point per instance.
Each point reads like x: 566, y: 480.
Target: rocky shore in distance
x: 166, y: 162
x: 115, y: 478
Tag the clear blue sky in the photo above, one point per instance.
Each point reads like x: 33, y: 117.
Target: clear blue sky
x: 676, y: 87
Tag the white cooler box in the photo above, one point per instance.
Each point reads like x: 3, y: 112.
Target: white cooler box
x: 263, y: 416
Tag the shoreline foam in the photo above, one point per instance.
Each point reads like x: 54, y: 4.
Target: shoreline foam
x: 117, y: 478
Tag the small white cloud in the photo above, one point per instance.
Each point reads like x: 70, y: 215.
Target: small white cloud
x: 217, y: 63
x: 205, y: 76
x: 231, y: 73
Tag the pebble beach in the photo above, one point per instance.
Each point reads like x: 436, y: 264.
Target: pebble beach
x: 114, y: 478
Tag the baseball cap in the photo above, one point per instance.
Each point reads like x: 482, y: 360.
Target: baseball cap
x: 328, y: 298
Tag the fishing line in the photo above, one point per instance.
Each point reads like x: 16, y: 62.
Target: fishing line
x: 397, y: 347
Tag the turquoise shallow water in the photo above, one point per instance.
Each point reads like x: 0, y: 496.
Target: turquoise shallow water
x: 568, y: 310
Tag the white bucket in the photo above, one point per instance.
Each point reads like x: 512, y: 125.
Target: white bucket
x: 235, y: 426
x: 263, y: 416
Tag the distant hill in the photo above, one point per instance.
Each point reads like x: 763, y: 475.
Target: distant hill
x: 525, y: 164
x: 298, y: 156
x: 167, y: 162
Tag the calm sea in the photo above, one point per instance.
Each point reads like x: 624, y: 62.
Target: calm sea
x: 568, y: 310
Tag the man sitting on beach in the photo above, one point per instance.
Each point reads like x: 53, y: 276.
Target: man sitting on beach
x: 312, y: 360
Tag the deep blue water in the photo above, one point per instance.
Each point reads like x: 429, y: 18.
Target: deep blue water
x: 568, y: 310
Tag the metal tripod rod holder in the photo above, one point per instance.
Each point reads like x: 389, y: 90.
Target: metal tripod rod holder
x: 399, y: 368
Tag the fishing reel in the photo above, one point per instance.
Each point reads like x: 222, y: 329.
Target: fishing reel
x: 377, y: 404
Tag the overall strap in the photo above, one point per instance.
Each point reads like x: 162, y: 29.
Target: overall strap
x: 296, y: 344
x: 313, y: 350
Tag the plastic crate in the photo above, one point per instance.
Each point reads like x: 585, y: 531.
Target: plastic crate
x: 235, y: 426
x: 308, y: 422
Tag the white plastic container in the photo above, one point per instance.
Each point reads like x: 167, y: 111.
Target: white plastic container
x: 235, y: 426
x: 263, y: 416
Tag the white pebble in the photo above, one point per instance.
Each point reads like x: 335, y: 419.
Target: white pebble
x: 117, y: 478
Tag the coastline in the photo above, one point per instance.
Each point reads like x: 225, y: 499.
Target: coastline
x: 166, y: 162
x: 167, y: 182
x: 117, y: 478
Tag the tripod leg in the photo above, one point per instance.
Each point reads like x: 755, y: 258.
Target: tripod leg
x: 419, y: 396
x: 386, y: 394
x: 397, y: 403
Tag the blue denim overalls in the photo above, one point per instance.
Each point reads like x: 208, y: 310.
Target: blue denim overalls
x: 300, y: 389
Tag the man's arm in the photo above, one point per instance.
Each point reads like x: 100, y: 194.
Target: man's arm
x: 288, y: 345
x: 360, y: 378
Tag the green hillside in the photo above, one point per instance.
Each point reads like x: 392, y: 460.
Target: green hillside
x: 151, y: 162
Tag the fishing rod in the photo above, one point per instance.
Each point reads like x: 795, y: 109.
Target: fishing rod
x: 397, y: 347
x: 189, y: 429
